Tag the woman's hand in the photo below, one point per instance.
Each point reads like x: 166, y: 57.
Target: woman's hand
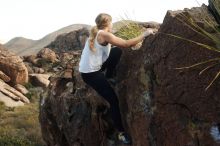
x: 148, y: 32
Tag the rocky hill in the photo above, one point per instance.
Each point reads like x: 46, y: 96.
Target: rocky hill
x: 74, y: 40
x: 19, y: 43
x: 35, y: 47
x: 160, y: 105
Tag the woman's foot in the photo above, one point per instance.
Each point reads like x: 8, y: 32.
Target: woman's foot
x: 124, y: 138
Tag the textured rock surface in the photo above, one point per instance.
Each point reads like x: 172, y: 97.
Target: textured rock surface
x: 10, y: 102
x: 31, y: 59
x: 160, y: 106
x: 184, y: 111
x: 12, y: 92
x: 38, y: 70
x: 39, y: 80
x: 4, y: 77
x: 74, y: 40
x: 47, y: 54
x: 12, y: 71
x: 13, y: 67
x: 68, y: 114
x: 21, y: 89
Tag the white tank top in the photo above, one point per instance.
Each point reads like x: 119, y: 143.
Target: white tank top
x: 92, y: 61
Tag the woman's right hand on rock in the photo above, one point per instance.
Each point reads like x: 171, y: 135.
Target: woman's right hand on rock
x: 148, y: 32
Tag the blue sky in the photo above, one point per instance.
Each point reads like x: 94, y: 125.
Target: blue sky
x: 36, y: 18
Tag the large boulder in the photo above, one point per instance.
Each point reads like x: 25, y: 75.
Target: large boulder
x: 74, y: 40
x: 38, y: 70
x: 13, y: 67
x: 160, y: 104
x: 39, y: 80
x: 47, y: 54
x: 69, y: 113
x: 184, y: 111
x: 31, y: 59
x: 12, y: 93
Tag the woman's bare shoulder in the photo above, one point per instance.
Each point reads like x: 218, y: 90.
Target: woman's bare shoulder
x: 105, y: 34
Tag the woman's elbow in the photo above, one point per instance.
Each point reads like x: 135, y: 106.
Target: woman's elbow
x: 126, y: 44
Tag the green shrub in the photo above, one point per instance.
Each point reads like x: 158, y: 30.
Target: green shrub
x: 29, y: 95
x: 32, y: 95
x: 28, y: 85
x: 55, y: 64
x: 21, y: 125
x: 6, y: 140
x: 44, y: 63
x: 129, y: 30
x: 2, y: 108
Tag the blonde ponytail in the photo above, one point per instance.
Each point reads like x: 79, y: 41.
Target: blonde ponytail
x: 102, y: 21
x: 92, y: 37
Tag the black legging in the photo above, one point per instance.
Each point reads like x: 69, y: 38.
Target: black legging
x: 97, y: 80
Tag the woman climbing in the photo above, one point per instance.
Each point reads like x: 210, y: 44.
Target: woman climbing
x: 98, y: 56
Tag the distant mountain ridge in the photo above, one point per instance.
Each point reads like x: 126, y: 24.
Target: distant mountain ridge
x: 22, y: 46
x: 18, y: 43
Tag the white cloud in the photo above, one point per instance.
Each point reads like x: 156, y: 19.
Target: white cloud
x: 35, y: 18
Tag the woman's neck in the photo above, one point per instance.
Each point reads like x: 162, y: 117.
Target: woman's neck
x: 105, y: 29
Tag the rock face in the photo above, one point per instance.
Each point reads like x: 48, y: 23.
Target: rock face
x: 40, y: 80
x: 4, y: 77
x: 160, y: 105
x: 184, y: 112
x: 47, y: 54
x: 13, y: 67
x: 9, y: 102
x: 72, y: 115
x: 74, y: 40
x: 21, y: 89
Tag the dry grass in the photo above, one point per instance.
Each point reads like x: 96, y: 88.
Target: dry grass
x: 20, y: 126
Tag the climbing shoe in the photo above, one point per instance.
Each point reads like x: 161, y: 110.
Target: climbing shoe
x: 124, y: 138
